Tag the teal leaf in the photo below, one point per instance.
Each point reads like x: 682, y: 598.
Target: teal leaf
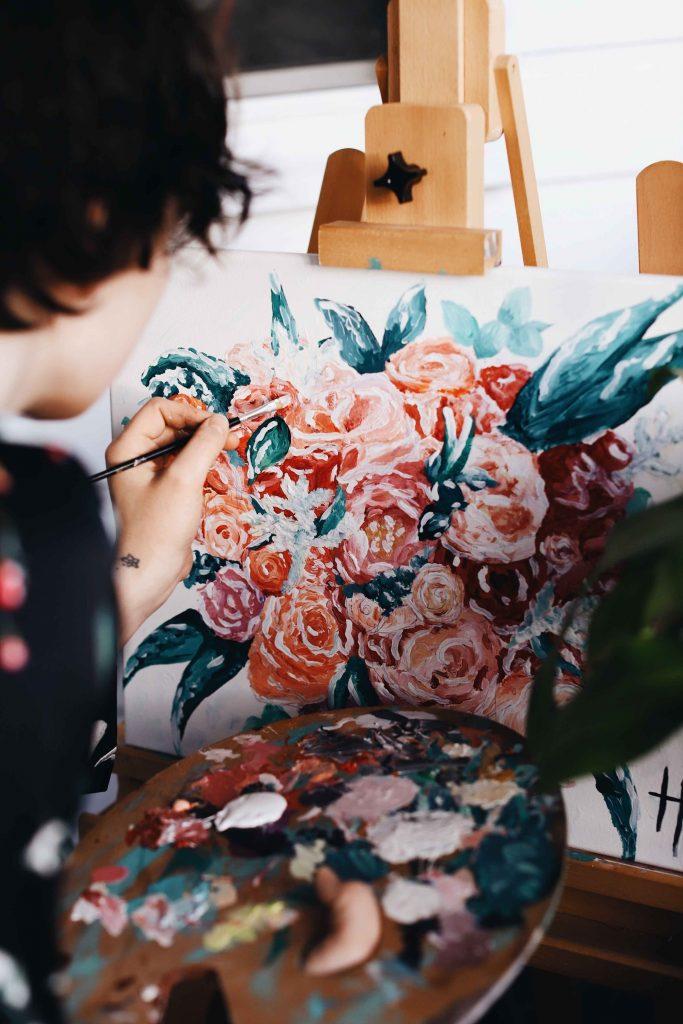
x: 271, y: 714
x: 460, y: 324
x: 204, y: 377
x: 516, y: 308
x: 492, y: 338
x: 638, y: 502
x: 357, y: 343
x: 283, y: 329
x: 477, y: 480
x: 267, y: 446
x: 204, y: 569
x: 436, y: 518
x: 332, y: 516
x: 621, y: 797
x: 597, y: 380
x: 214, y: 664
x: 406, y: 321
x: 526, y: 341
x: 352, y: 686
x: 175, y: 641
x: 455, y: 451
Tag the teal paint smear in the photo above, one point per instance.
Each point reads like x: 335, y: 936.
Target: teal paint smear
x: 579, y: 855
x: 203, y: 376
x: 374, y: 263
x: 316, y: 1008
x: 621, y: 797
x: 638, y: 502
x: 86, y: 965
x: 304, y: 730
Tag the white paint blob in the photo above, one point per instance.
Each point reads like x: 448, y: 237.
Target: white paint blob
x: 457, y: 750
x: 407, y: 902
x: 365, y: 721
x: 14, y: 990
x: 425, y: 835
x: 254, y: 810
x: 487, y: 793
x: 47, y: 850
x: 150, y: 993
x: 218, y: 756
x: 307, y: 859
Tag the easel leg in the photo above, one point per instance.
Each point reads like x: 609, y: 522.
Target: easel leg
x: 342, y: 195
x: 518, y: 143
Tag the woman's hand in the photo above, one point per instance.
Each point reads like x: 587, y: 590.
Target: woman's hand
x: 159, y: 504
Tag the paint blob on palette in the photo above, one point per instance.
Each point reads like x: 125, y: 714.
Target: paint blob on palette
x: 416, y: 525
x: 441, y: 858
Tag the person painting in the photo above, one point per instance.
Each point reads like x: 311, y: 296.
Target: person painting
x: 112, y: 155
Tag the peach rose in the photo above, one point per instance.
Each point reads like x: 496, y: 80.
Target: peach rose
x: 426, y: 410
x: 364, y: 612
x: 231, y: 605
x: 226, y: 477
x: 269, y: 569
x: 433, y: 366
x: 224, y: 531
x: 387, y: 503
x: 500, y: 523
x: 300, y: 648
x: 452, y: 665
x: 438, y: 595
x: 364, y: 415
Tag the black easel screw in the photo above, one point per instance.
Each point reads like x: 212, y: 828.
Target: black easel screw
x: 401, y: 177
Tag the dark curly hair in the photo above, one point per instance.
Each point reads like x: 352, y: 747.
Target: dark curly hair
x: 112, y: 119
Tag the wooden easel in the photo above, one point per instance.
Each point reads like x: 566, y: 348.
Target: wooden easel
x: 447, y: 88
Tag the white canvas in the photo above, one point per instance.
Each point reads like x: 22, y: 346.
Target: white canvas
x: 411, y: 535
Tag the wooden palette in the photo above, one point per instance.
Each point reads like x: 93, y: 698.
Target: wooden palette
x: 155, y: 896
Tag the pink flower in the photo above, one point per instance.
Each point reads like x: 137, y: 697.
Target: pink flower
x: 427, y: 411
x: 364, y: 612
x: 224, y: 531
x: 500, y: 523
x: 433, y: 366
x: 231, y: 605
x: 156, y: 920
x: 387, y: 503
x: 438, y: 595
x: 364, y: 416
x: 452, y: 665
x: 98, y: 904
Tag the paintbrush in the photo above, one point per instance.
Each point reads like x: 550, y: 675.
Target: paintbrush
x: 169, y: 449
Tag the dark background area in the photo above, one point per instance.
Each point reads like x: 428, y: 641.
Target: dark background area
x: 294, y: 33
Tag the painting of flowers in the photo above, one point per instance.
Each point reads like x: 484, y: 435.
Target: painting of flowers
x: 415, y: 525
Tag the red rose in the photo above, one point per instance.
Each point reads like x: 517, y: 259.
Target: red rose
x: 503, y: 383
x: 588, y: 493
x: 503, y: 593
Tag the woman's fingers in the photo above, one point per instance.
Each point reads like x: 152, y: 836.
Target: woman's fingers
x: 158, y: 423
x: 192, y: 464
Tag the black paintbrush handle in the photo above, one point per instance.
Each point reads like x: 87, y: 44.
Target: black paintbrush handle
x: 158, y: 453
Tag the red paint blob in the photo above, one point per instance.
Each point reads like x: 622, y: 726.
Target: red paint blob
x: 14, y: 654
x: 110, y: 875
x: 12, y: 586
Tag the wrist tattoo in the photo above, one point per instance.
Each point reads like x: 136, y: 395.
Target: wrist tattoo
x: 130, y: 561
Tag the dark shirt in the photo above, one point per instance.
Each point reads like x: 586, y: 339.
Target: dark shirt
x: 57, y: 703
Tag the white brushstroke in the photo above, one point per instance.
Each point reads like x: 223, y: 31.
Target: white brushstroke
x: 254, y: 810
x: 425, y: 835
x: 407, y: 902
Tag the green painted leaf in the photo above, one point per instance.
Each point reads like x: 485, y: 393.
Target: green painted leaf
x: 283, y: 331
x: 621, y: 797
x: 205, y: 568
x: 353, y: 686
x: 215, y: 663
x: 406, y: 321
x: 271, y: 714
x: 455, y: 451
x: 460, y: 324
x: 526, y: 341
x: 436, y: 518
x: 332, y: 516
x: 389, y: 589
x: 175, y: 641
x: 357, y: 343
x: 516, y: 308
x: 203, y: 376
x: 597, y: 380
x: 268, y: 446
x: 492, y: 339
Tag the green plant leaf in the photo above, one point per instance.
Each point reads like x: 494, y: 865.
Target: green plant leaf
x: 332, y: 516
x: 175, y: 641
x: 357, y: 343
x: 214, y: 664
x: 268, y: 446
x: 283, y: 329
x: 460, y: 324
x: 203, y: 376
x: 406, y: 321
x: 455, y: 451
x: 655, y: 529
